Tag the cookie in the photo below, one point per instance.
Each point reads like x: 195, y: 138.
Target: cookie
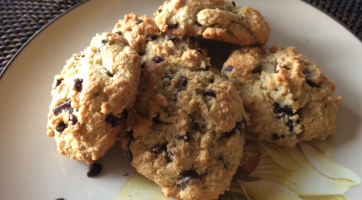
x: 288, y: 98
x: 188, y: 133
x: 139, y: 31
x: 213, y: 19
x: 92, y: 97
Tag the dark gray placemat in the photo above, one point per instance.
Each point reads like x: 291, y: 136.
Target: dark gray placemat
x: 19, y: 20
x: 346, y: 12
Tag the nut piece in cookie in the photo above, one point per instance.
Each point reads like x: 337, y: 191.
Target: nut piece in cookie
x: 213, y: 19
x: 92, y: 97
x: 288, y: 98
x: 188, y: 134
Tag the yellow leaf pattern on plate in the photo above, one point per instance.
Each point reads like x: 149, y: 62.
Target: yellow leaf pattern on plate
x: 269, y: 172
x: 326, y: 166
x: 325, y: 197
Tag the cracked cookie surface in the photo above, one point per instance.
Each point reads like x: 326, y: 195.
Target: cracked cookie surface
x: 188, y: 133
x: 288, y: 98
x: 213, y: 19
x: 144, y: 36
x: 92, y: 97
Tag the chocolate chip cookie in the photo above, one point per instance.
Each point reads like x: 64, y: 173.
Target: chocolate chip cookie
x: 288, y: 98
x: 188, y: 133
x: 213, y: 19
x: 139, y: 31
x: 92, y: 97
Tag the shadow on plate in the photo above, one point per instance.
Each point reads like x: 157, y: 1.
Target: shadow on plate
x: 347, y: 124
x: 219, y: 52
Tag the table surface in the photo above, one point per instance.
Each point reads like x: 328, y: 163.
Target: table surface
x: 20, y: 20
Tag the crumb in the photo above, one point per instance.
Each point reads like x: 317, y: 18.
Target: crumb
x: 126, y: 174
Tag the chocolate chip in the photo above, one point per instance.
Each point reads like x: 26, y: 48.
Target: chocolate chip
x: 94, y: 169
x: 200, y: 51
x: 101, y: 43
x: 181, y: 137
x: 211, y: 80
x: 277, y: 108
x: 170, y: 37
x: 181, y: 82
x: 171, y: 26
x: 157, y: 149
x: 197, y: 23
x: 310, y: 83
x: 78, y: 84
x: 157, y: 120
x: 61, y: 127
x: 66, y: 106
x: 128, y: 155
x: 275, y: 136
x: 257, y: 69
x: 159, y: 10
x: 141, y: 53
x: 241, y: 126
x: 288, y: 110
x: 233, y: 4
x: 157, y: 59
x: 210, y: 93
x: 169, y: 157
x: 119, y: 32
x: 143, y: 65
x: 290, y: 125
x: 58, y: 82
x: 114, y: 120
x: 151, y: 37
x: 73, y: 119
x: 138, y: 21
x: 109, y: 74
x: 228, y: 68
x: 186, y: 177
x: 285, y: 110
x: 308, y: 79
x: 194, y: 125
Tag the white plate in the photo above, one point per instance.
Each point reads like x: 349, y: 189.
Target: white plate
x: 31, y: 168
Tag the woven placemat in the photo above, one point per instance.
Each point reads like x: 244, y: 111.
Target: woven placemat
x: 19, y: 20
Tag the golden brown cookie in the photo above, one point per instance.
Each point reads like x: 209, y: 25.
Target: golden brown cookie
x: 213, y: 19
x: 288, y: 98
x: 92, y: 97
x: 188, y: 133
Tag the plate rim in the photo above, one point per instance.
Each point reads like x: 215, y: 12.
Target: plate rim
x: 334, y: 18
x: 36, y: 34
